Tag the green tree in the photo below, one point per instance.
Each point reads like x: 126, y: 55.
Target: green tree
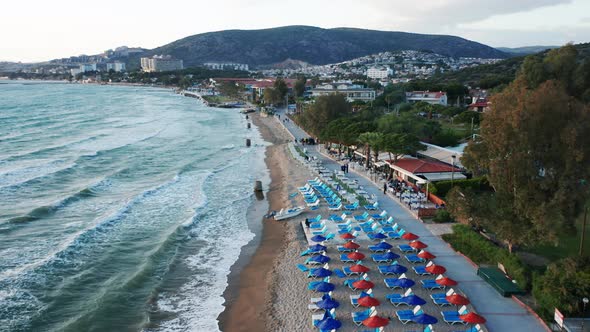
x: 371, y: 140
x: 323, y: 111
x: 281, y: 89
x: 299, y: 87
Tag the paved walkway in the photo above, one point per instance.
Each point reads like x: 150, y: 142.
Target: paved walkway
x: 502, y: 314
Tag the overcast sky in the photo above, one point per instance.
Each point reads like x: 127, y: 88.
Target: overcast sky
x: 35, y: 30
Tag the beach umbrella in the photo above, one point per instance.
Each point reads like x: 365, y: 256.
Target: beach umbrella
x: 318, y: 238
x: 390, y: 256
x: 329, y: 324
x: 384, y: 245
x: 375, y: 321
x: 357, y: 256
x: 323, y: 287
x: 446, y: 281
x: 410, y: 236
x: 320, y: 272
x: 395, y: 268
x: 379, y: 236
x: 351, y: 245
x: 363, y: 284
x: 436, y: 269
x: 318, y: 247
x: 358, y: 268
x: 418, y: 245
x: 327, y: 304
x: 368, y: 301
x: 457, y: 299
x: 348, y: 236
x: 472, y: 318
x: 320, y: 259
x: 414, y: 300
x: 426, y: 255
x: 404, y: 283
x: 424, y: 319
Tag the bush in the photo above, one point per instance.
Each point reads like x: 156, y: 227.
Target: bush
x: 442, y: 187
x: 482, y: 251
x: 443, y: 216
x: 446, y: 138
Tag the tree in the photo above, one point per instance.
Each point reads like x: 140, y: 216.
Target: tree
x: 271, y: 96
x: 281, y: 89
x: 323, y: 111
x: 371, y: 140
x: 299, y: 86
x: 401, y: 144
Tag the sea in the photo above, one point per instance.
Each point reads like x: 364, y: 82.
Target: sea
x: 121, y: 208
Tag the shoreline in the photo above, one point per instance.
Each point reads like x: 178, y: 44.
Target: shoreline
x: 249, y: 293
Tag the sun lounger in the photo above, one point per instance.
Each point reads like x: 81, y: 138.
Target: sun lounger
x: 317, y: 225
x: 380, y: 258
x: 406, y: 316
x: 431, y: 284
x: 405, y: 248
x: 352, y: 207
x: 316, y: 319
x: 389, y: 269
x: 371, y: 207
x: 349, y: 282
x: 379, y: 216
x: 339, y: 273
x: 302, y: 267
x: 421, y: 269
x: 452, y: 317
x: 344, y: 258
x: 355, y: 298
x: 414, y: 259
x: 362, y: 217
x: 343, y: 249
x: 348, y: 272
x: 372, y: 236
x: 312, y: 284
x: 396, y: 297
x: 309, y: 252
x: 337, y: 218
x: 359, y: 317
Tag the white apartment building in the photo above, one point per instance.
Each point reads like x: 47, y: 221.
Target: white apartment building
x: 159, y: 63
x: 434, y: 98
x: 350, y: 91
x: 116, y: 66
x: 378, y: 73
x: 226, y: 65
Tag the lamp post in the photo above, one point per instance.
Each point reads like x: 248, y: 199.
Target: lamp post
x: 453, y: 157
x: 584, y: 301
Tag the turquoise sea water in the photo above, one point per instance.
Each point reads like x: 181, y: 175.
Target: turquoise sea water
x: 121, y: 208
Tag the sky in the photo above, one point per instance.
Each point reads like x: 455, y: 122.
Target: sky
x: 38, y: 30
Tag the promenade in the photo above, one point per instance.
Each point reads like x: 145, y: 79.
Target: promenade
x: 502, y: 314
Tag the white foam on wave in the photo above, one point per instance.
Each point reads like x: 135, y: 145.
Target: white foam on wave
x: 15, y: 177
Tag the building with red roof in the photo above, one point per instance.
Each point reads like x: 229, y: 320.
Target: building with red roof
x: 434, y: 98
x: 414, y: 170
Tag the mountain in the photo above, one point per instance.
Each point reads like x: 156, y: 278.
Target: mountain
x: 312, y: 45
x: 525, y: 50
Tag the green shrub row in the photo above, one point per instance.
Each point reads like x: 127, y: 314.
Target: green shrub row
x: 482, y: 251
x: 441, y: 188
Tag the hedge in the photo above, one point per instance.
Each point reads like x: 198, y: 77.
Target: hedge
x: 482, y: 251
x: 441, y: 188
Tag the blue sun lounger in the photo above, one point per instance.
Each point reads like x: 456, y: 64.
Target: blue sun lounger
x: 452, y: 317
x: 406, y: 316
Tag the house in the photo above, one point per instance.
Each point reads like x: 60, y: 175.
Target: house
x: 434, y: 98
x: 352, y: 92
x: 412, y: 169
x: 479, y: 105
x: 378, y: 73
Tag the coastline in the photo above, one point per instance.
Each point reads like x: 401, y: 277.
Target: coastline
x: 250, y: 292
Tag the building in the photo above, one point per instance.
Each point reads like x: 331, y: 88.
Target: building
x: 226, y: 66
x: 352, y: 92
x: 84, y: 68
x: 417, y: 170
x: 379, y: 73
x: 159, y: 63
x: 434, y: 98
x: 479, y: 105
x: 116, y: 66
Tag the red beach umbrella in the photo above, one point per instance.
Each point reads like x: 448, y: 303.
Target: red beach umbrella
x: 410, y: 236
x: 436, y: 269
x: 418, y: 245
x: 375, y: 321
x: 368, y: 301
x: 457, y: 299
x: 351, y: 245
x: 472, y: 318
x: 358, y: 268
x: 348, y: 236
x: 426, y: 255
x: 363, y: 284
x: 357, y: 256
x: 446, y: 281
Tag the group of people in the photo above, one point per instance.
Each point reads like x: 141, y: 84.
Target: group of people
x: 307, y: 141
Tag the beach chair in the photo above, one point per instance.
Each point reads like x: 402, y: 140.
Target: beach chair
x: 376, y: 248
x: 305, y: 188
x: 345, y: 225
x: 359, y: 317
x: 352, y: 207
x: 310, y: 252
x: 431, y: 284
x: 313, y: 204
x: 441, y: 298
x: 371, y: 207
x: 405, y: 248
x: 406, y: 316
x: 389, y: 221
x: 397, y: 297
x: 335, y: 207
x: 349, y: 282
x: 381, y: 258
x: 400, y: 301
x: 397, y: 234
x: 389, y: 269
x: 317, y: 225
x: 314, y: 181
x: 372, y: 235
x: 302, y: 267
x: 344, y: 258
x: 391, y: 228
x: 339, y: 273
x: 391, y: 283
x: 318, y: 218
x: 379, y: 216
x: 316, y: 319
x: 354, y: 299
x: 330, y: 236
x: 452, y: 317
x: 344, y: 250
x: 421, y: 269
x: 414, y: 259
x: 362, y: 217
x: 348, y: 272
x: 312, y: 284
x: 336, y: 218
x: 322, y: 231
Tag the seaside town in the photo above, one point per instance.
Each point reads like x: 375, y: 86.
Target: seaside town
x: 298, y: 178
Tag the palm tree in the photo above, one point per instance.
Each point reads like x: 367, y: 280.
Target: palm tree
x: 372, y: 140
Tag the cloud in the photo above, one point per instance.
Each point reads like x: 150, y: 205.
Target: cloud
x: 516, y: 38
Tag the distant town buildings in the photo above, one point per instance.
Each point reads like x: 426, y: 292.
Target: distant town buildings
x: 159, y: 63
x: 352, y: 92
x: 379, y: 73
x: 434, y: 98
x: 226, y: 66
x: 116, y: 66
x: 83, y: 68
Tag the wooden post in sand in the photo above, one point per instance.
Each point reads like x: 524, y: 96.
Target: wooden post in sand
x: 258, y: 186
x: 248, y: 143
x: 248, y: 125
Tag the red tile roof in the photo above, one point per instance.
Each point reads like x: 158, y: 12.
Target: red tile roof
x: 418, y: 166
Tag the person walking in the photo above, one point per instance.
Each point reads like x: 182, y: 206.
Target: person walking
x: 385, y: 188
x: 306, y: 222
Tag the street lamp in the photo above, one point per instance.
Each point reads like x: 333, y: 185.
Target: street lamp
x: 453, y: 170
x: 585, y: 301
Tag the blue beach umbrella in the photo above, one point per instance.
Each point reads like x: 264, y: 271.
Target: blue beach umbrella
x: 318, y: 247
x: 384, y: 245
x: 404, y: 283
x: 390, y: 256
x: 323, y: 287
x: 329, y: 324
x: 327, y: 304
x: 424, y: 319
x: 379, y: 236
x: 395, y: 268
x: 320, y: 272
x: 414, y: 300
x: 320, y: 259
x: 318, y: 238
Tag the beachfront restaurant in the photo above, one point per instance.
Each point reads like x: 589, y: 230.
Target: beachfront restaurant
x: 415, y: 170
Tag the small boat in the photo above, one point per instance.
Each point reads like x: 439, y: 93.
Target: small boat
x: 289, y: 213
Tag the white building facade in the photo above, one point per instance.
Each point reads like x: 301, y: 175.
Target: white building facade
x: 116, y: 66
x: 434, y: 98
x: 159, y: 63
x: 379, y: 73
x: 350, y: 91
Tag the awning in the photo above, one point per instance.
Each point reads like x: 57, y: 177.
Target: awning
x: 443, y: 176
